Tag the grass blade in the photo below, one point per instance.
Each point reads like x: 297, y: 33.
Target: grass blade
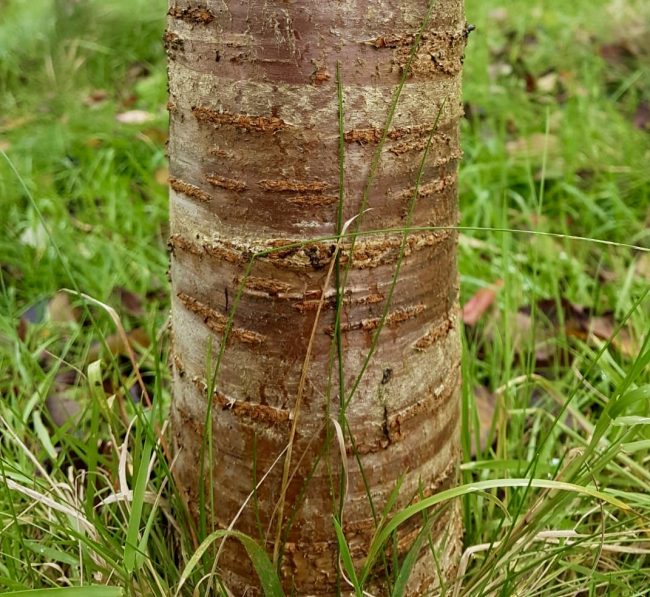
x: 90, y: 591
x: 260, y: 560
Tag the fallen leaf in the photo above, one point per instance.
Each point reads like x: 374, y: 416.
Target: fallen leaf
x: 14, y: 123
x: 498, y: 70
x: 161, y: 176
x: 60, y: 309
x: 534, y: 146
x: 156, y: 135
x: 478, y: 304
x: 35, y: 237
x: 498, y: 14
x: 617, y: 53
x: 540, y: 329
x: 60, y: 402
x: 603, y: 327
x: 61, y: 408
x: 95, y: 98
x: 130, y: 301
x: 642, y: 116
x: 136, y: 337
x: 485, y: 407
x: 137, y: 70
x: 642, y: 266
x: 134, y: 117
x: 547, y: 83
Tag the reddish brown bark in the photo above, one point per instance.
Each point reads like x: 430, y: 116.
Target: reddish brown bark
x: 254, y: 166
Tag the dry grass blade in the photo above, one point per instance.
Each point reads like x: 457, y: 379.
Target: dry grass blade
x: 77, y: 516
x: 344, y: 462
x: 301, y: 389
x: 123, y: 336
x: 233, y: 522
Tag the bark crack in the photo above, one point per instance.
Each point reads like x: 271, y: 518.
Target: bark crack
x: 217, y: 322
x: 252, y: 411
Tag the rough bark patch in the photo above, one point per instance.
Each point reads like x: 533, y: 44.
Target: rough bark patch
x: 260, y: 124
x: 197, y: 16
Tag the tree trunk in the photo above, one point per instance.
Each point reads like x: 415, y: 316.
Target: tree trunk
x: 254, y: 166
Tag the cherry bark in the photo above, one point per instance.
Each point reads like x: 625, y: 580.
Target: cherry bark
x: 254, y: 169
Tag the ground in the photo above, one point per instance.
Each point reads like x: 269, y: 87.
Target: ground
x: 555, y: 275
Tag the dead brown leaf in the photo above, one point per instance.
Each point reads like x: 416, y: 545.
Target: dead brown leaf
x: 156, y: 135
x: 161, y: 176
x: 15, y: 123
x: 642, y: 267
x: 548, y: 83
x: 137, y: 337
x: 533, y: 146
x: 604, y: 327
x: 642, y: 116
x: 95, y: 98
x: 477, y: 305
x: 131, y: 302
x: 60, y: 402
x: 485, y: 408
x: 60, y: 309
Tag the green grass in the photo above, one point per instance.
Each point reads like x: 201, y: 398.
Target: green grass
x: 83, y: 208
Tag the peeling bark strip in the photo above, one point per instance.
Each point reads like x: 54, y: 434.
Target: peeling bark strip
x: 369, y: 252
x: 374, y: 135
x: 426, y: 190
x: 313, y: 200
x: 392, y: 319
x: 198, y: 16
x: 230, y: 184
x: 259, y: 124
x: 266, y: 285
x: 254, y: 157
x: 189, y: 190
x: 436, y: 332
x: 282, y: 186
x: 308, y: 305
x: 217, y: 322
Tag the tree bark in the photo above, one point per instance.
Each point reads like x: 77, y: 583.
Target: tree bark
x: 254, y: 166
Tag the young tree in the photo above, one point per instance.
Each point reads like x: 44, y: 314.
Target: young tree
x: 266, y: 160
